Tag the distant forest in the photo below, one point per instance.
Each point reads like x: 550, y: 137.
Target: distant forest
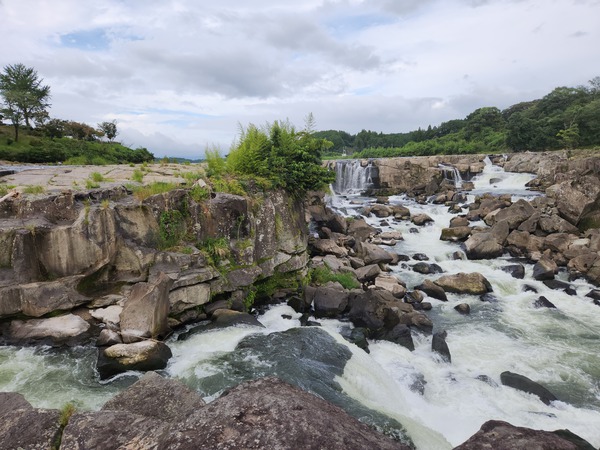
x: 568, y: 117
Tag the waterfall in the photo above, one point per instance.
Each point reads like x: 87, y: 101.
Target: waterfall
x: 353, y: 177
x: 452, y: 173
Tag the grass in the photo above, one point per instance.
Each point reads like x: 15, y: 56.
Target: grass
x: 97, y: 177
x: 323, y: 275
x: 65, y: 415
x: 199, y: 193
x: 5, y: 188
x: 158, y: 187
x: 31, y: 189
x: 138, y: 175
x: 216, y: 250
x: 90, y: 184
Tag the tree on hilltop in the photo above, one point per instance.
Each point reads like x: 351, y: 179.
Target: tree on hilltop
x: 23, y: 95
x: 109, y: 129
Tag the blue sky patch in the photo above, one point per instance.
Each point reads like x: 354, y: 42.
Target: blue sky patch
x: 96, y: 39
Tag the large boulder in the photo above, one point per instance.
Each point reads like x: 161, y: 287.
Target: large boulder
x: 391, y: 284
x: 498, y: 435
x: 373, y: 254
x: 465, y: 283
x: 145, y: 313
x: 144, y: 355
x: 456, y: 233
x: 544, y: 269
x: 439, y: 345
x: 576, y: 197
x: 157, y: 397
x: 329, y: 301
x: 59, y: 330
x: 522, y: 383
x: 432, y: 290
x: 483, y: 246
x: 367, y: 273
x: 360, y: 229
x: 326, y: 247
x: 514, y: 215
x: 556, y: 224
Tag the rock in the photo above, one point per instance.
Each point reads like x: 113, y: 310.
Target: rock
x: 423, y: 306
x: 110, y: 314
x: 108, y: 337
x: 326, y: 247
x: 269, y: 413
x: 146, y: 311
x: 375, y: 308
x: 432, y: 290
x: 530, y: 225
x: 421, y: 219
x: 489, y: 298
x: 594, y: 294
x: 414, y: 297
x: 556, y: 224
x: 575, y: 197
x: 391, y: 284
x: 544, y: 269
x: 459, y: 221
x: 524, y: 384
x: 483, y: 245
x: 543, y: 302
x: 455, y: 234
x: 381, y: 210
x: 223, y: 318
x: 157, y: 397
x: 57, y: 330
x: 400, y: 335
x: 329, y: 302
x: 464, y: 283
x: 514, y: 215
x: 391, y: 235
x: 439, y: 345
x: 522, y: 243
x: 24, y: 427
x: 372, y: 254
x: 498, y: 435
x: 427, y: 269
x: 420, y: 257
x: 358, y: 337
x: 463, y: 308
x: 515, y: 270
x: 189, y: 297
x: 144, y: 355
x: 367, y: 273
x: 560, y: 285
x: 360, y: 229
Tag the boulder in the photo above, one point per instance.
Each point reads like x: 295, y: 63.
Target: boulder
x: 157, y: 397
x: 455, y: 234
x: 459, y: 221
x: 367, y: 273
x: 427, y: 269
x: 522, y: 243
x: 499, y: 435
x: 360, y: 229
x: 421, y: 219
x: 56, y: 330
x: 381, y: 210
x: 223, y: 318
x: 144, y: 355
x: 543, y: 302
x: 464, y: 283
x: 575, y: 197
x: 329, y: 302
x: 373, y: 254
x: 530, y: 225
x: 391, y: 235
x: 522, y: 383
x: 391, y: 284
x: 514, y: 215
x: 326, y: 247
x: 483, y: 245
x: 556, y: 224
x: 432, y: 290
x: 376, y: 308
x: 25, y: 427
x: 544, y: 269
x: 439, y: 345
x: 463, y: 308
x: 145, y: 313
x: 110, y: 314
x: 400, y: 335
x: 188, y: 297
x: 108, y: 337
x: 560, y: 285
x: 515, y: 270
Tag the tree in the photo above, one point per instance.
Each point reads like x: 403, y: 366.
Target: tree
x: 23, y: 94
x: 109, y: 129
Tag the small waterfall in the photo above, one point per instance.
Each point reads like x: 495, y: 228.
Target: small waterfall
x: 354, y: 177
x: 452, y: 173
x: 487, y: 161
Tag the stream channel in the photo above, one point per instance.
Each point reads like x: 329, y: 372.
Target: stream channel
x: 559, y: 348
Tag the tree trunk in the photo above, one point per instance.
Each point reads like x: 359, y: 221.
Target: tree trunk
x: 16, y: 126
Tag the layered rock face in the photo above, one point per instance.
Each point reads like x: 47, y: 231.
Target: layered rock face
x: 133, y: 269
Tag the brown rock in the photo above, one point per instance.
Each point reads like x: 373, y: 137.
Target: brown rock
x: 465, y: 283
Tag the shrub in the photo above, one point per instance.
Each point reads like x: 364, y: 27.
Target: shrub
x: 323, y: 274
x: 199, y: 193
x: 216, y: 250
x: 138, y: 175
x: 172, y: 228
x: 97, y: 177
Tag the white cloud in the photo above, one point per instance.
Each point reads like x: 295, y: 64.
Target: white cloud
x: 182, y: 74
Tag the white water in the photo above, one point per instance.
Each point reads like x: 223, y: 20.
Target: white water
x: 352, y: 177
x: 558, y: 348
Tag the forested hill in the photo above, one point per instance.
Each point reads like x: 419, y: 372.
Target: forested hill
x: 567, y: 117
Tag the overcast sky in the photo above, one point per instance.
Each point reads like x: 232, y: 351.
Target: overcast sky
x: 182, y: 74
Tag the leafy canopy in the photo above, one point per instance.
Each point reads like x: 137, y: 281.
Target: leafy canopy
x: 290, y: 159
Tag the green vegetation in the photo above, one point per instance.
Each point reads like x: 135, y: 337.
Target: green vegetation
x: 97, y: 177
x: 63, y: 420
x: 172, y: 228
x: 199, y: 193
x: 138, y: 175
x: 158, y: 187
x: 565, y: 118
x: 323, y: 274
x: 216, y: 250
x: 266, y: 288
x: 33, y: 189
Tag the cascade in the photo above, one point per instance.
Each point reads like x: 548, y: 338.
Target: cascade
x: 451, y: 173
x: 353, y: 177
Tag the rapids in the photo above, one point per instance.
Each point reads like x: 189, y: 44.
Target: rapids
x: 558, y: 348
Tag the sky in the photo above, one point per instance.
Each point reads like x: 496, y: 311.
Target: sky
x: 180, y: 76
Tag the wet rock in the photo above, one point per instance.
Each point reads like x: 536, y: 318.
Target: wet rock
x: 432, y: 290
x: 489, y: 298
x: 560, y: 285
x: 157, y: 397
x: 144, y: 355
x: 422, y: 306
x: 514, y: 215
x: 413, y: 297
x: 463, y: 308
x: 420, y: 257
x: 298, y: 303
x: 427, y: 269
x: 223, y: 318
x: 108, y: 337
x: 486, y: 379
x: 594, y: 294
x: 515, y: 270
x: 146, y: 311
x: 529, y: 288
x: 358, y: 336
x: 400, y: 335
x: 556, y: 224
x: 360, y: 229
x: 455, y: 234
x: 522, y: 383
x: 465, y: 283
x: 380, y: 211
x: 391, y: 284
x: 483, y: 245
x: 544, y: 269
x: 439, y: 345
x: 498, y: 435
x: 458, y: 255
x: 373, y: 254
x: 413, y: 230
x: 421, y: 219
x: 326, y: 247
x: 543, y: 302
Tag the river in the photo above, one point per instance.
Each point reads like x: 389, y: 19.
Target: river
x: 558, y: 348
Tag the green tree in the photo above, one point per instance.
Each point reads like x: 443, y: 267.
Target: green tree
x: 24, y: 96
x: 109, y: 129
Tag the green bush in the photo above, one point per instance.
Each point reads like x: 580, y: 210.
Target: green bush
x: 323, y: 275
x: 172, y: 228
